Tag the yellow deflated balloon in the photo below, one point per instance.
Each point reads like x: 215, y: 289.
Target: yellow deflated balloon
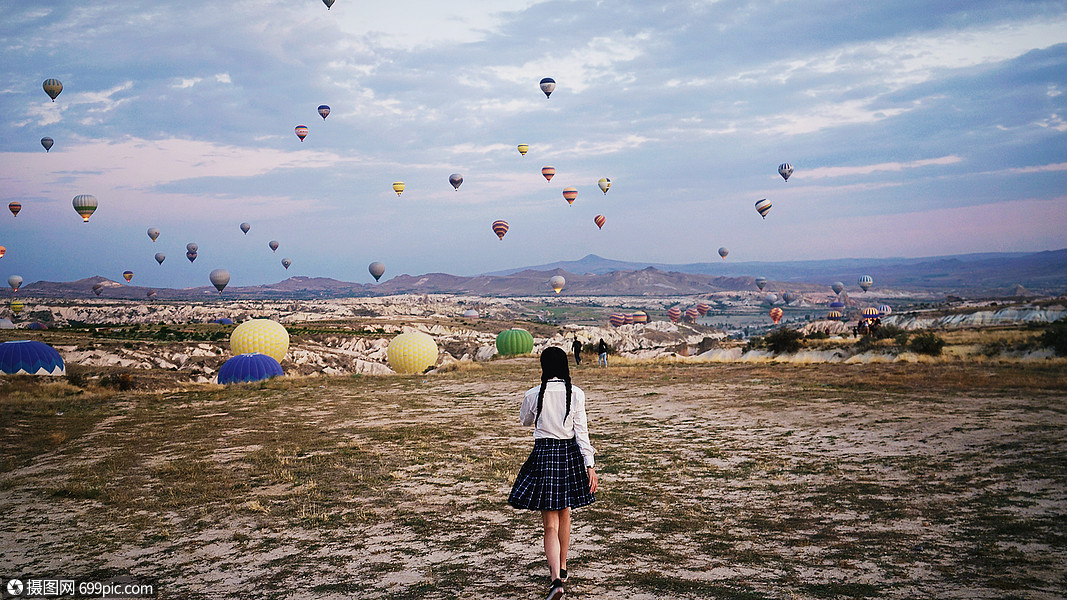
x: 412, y: 352
x: 260, y: 335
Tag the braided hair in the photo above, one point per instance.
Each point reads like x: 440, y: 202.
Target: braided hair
x: 554, y: 366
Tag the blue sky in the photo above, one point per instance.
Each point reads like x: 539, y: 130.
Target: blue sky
x: 915, y: 128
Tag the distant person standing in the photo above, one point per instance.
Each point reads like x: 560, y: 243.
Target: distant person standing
x: 577, y: 347
x: 602, y: 350
x: 560, y: 472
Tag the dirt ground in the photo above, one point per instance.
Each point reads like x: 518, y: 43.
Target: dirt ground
x: 717, y: 481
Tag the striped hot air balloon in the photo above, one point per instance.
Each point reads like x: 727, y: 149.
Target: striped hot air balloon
x: 604, y: 184
x: 127, y: 275
x: 301, y: 131
x: 514, y: 341
x: 548, y: 85
x: 617, y: 319
x: 246, y: 368
x: 870, y: 313
x: 52, y: 87
x: 640, y: 317
x: 628, y: 318
x: 785, y: 170
x: 776, y: 314
x: 674, y: 313
x: 398, y: 187
x: 884, y: 309
x: 523, y: 149
x: 324, y: 111
x: 702, y: 308
x: 599, y: 220
x: 569, y: 194
x: 865, y: 282
x: 692, y: 313
x: 548, y: 172
x: 763, y: 207
x: 14, y: 207
x: 500, y: 228
x: 85, y: 205
x: 834, y: 315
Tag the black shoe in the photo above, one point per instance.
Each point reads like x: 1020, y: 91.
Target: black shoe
x: 563, y: 575
x: 555, y: 591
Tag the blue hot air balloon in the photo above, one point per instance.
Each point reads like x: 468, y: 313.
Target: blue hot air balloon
x: 30, y: 357
x: 249, y: 367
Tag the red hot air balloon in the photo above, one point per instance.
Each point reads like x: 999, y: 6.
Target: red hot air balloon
x: 674, y: 313
x: 548, y: 172
x: 569, y: 194
x: 599, y: 220
x: 500, y: 228
x: 301, y: 132
x: 776, y: 314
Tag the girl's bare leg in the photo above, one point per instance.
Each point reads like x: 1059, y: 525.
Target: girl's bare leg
x: 551, y: 521
x: 564, y: 536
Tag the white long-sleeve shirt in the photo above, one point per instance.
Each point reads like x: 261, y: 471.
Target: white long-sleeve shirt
x: 551, y: 423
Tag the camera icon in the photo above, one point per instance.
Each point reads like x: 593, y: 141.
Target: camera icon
x: 14, y: 587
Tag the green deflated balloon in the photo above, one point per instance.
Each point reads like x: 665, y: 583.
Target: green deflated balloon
x: 514, y: 341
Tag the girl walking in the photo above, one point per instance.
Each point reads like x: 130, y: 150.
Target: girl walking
x: 559, y: 474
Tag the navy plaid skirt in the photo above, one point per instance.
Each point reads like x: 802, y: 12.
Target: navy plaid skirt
x: 552, y: 478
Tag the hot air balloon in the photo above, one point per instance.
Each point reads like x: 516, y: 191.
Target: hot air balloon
x: 763, y: 207
x: 328, y: 3
x: 770, y: 298
x: 640, y: 317
x: 789, y: 297
x: 837, y: 305
x: 674, y: 313
x: 47, y: 143
x: 376, y: 269
x: 557, y: 282
x: 870, y: 313
x: 151, y: 294
x: 838, y: 287
x: 223, y: 321
x: 500, y: 228
x: 246, y: 368
x: 15, y: 207
x: 85, y: 205
x: 191, y: 247
x: 98, y: 288
x: 3, y: 251
x: 160, y: 257
x: 691, y: 313
x: 604, y: 184
x: 549, y: 172
x: 286, y: 262
x: 14, y: 281
x: 153, y: 232
x: 411, y: 352
x: 30, y: 357
x: 523, y: 149
x: 569, y: 194
x: 52, y: 87
x: 512, y: 342
x: 245, y: 227
x: 273, y: 245
x: 398, y: 187
x: 703, y: 308
x: 761, y: 282
x: 628, y: 319
x: 884, y: 309
x: 219, y: 278
x: 456, y: 180
x: 191, y: 256
x: 833, y: 315
x: 16, y: 306
x: 260, y: 335
x: 865, y: 282
x: 776, y: 314
x: 324, y: 111
x: 617, y: 319
x: 470, y: 313
x: 127, y: 275
x: 301, y: 132
x: 723, y: 251
x: 599, y: 220
x: 548, y: 85
x: 785, y: 170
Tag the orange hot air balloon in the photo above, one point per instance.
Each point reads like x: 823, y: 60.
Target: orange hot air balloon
x: 548, y: 172
x: 599, y: 220
x: 500, y: 228
x: 776, y: 314
x: 569, y: 194
x: 301, y: 132
x: 3, y: 251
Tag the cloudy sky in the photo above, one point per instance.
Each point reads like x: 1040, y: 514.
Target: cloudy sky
x: 915, y: 128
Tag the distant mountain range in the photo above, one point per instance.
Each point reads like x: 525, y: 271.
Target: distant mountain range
x: 968, y: 275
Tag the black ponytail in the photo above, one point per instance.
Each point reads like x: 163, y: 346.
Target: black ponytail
x: 553, y: 366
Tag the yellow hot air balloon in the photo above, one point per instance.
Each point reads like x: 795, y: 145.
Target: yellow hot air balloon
x: 412, y: 352
x: 523, y: 149
x: 17, y: 306
x: 398, y: 187
x: 260, y: 335
x: 52, y: 87
x: 605, y: 184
